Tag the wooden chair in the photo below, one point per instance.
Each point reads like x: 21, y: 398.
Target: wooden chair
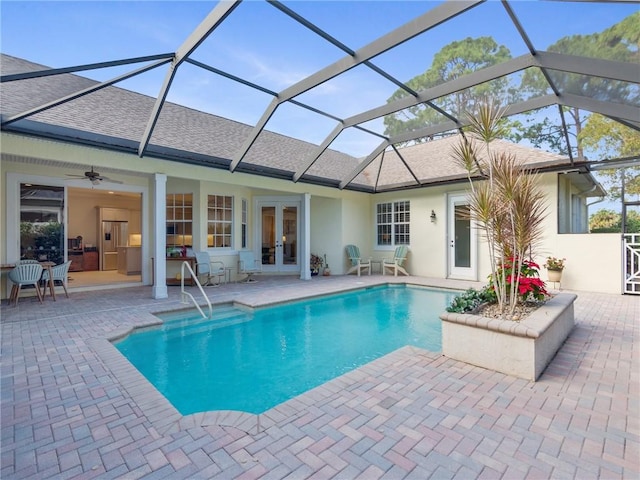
x: 22, y: 275
x: 59, y: 273
x: 396, y: 264
x: 357, y: 265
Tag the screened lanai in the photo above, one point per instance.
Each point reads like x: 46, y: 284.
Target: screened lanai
x: 328, y: 93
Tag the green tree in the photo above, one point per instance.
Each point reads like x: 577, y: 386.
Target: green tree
x: 620, y: 43
x: 455, y: 60
x: 614, y: 140
x: 609, y: 221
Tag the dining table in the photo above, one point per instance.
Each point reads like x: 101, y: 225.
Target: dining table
x: 46, y: 265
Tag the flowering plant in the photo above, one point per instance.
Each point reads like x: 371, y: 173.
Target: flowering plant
x: 316, y: 262
x: 554, y: 263
x: 529, y: 285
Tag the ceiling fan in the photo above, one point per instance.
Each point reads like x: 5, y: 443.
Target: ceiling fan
x: 94, y: 177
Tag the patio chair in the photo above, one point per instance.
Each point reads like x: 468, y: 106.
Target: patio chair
x: 357, y: 265
x: 22, y: 275
x: 59, y: 274
x: 248, y: 265
x: 204, y: 266
x: 396, y: 264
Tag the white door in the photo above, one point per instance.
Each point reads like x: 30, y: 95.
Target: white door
x: 462, y: 238
x: 279, y: 228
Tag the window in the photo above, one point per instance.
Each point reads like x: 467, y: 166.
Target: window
x: 219, y: 221
x: 244, y: 223
x: 392, y: 223
x: 179, y: 219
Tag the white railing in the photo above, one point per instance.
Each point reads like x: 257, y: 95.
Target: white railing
x: 184, y: 296
x: 631, y: 263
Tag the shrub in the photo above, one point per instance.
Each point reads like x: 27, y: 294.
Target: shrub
x: 468, y: 301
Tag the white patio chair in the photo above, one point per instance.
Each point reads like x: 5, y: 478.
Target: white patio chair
x: 248, y: 265
x: 204, y: 266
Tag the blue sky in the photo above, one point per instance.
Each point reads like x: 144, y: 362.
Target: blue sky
x: 260, y: 44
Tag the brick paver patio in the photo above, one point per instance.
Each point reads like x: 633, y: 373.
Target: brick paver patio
x: 72, y: 408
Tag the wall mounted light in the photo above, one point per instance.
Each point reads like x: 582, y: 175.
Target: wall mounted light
x: 433, y: 216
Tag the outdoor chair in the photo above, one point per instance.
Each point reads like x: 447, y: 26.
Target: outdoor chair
x: 22, y: 275
x: 204, y: 266
x: 59, y: 274
x: 248, y: 265
x: 357, y: 265
x: 396, y: 264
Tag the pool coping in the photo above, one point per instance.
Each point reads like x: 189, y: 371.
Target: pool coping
x: 165, y: 418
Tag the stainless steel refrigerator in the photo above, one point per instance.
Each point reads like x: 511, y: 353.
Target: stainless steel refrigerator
x: 113, y: 235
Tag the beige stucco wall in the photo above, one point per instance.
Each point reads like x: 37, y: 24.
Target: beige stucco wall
x: 428, y: 250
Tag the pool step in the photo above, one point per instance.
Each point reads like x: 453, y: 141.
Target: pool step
x: 191, y: 322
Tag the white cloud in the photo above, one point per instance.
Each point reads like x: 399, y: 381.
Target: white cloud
x: 277, y: 75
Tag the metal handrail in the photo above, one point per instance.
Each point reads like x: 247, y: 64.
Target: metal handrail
x: 184, y: 295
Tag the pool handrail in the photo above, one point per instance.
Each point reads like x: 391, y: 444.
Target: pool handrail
x: 184, y: 295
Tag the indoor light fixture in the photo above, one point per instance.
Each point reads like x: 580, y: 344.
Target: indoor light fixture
x: 433, y: 216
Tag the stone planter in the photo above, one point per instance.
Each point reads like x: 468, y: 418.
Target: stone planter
x: 522, y: 349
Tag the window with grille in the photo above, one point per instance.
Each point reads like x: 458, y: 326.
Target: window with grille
x: 179, y: 219
x: 219, y: 221
x: 392, y: 223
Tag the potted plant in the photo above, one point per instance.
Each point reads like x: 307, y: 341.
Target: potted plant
x: 315, y: 264
x: 554, y: 268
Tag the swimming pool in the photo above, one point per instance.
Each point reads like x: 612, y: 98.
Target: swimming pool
x: 254, y: 360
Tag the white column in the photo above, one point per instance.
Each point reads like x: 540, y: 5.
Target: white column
x: 305, y: 271
x: 160, y: 240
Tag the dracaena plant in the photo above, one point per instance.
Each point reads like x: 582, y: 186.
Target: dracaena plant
x: 505, y: 200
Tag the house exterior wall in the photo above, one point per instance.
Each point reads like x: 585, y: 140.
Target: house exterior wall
x: 593, y: 260
x: 428, y: 249
x: 338, y: 217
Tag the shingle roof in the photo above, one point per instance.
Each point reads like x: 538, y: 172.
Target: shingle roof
x: 118, y: 117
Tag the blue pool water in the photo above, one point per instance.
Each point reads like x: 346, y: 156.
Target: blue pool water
x: 254, y: 360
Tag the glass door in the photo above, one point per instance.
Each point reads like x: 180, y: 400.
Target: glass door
x: 462, y: 239
x: 279, y: 234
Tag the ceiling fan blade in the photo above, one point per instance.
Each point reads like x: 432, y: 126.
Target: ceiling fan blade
x: 108, y: 180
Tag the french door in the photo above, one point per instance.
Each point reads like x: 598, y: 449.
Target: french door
x: 279, y: 229
x: 462, y: 238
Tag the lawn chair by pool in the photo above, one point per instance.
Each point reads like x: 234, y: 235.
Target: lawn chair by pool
x: 396, y: 264
x: 357, y: 265
x: 248, y: 265
x: 208, y: 269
